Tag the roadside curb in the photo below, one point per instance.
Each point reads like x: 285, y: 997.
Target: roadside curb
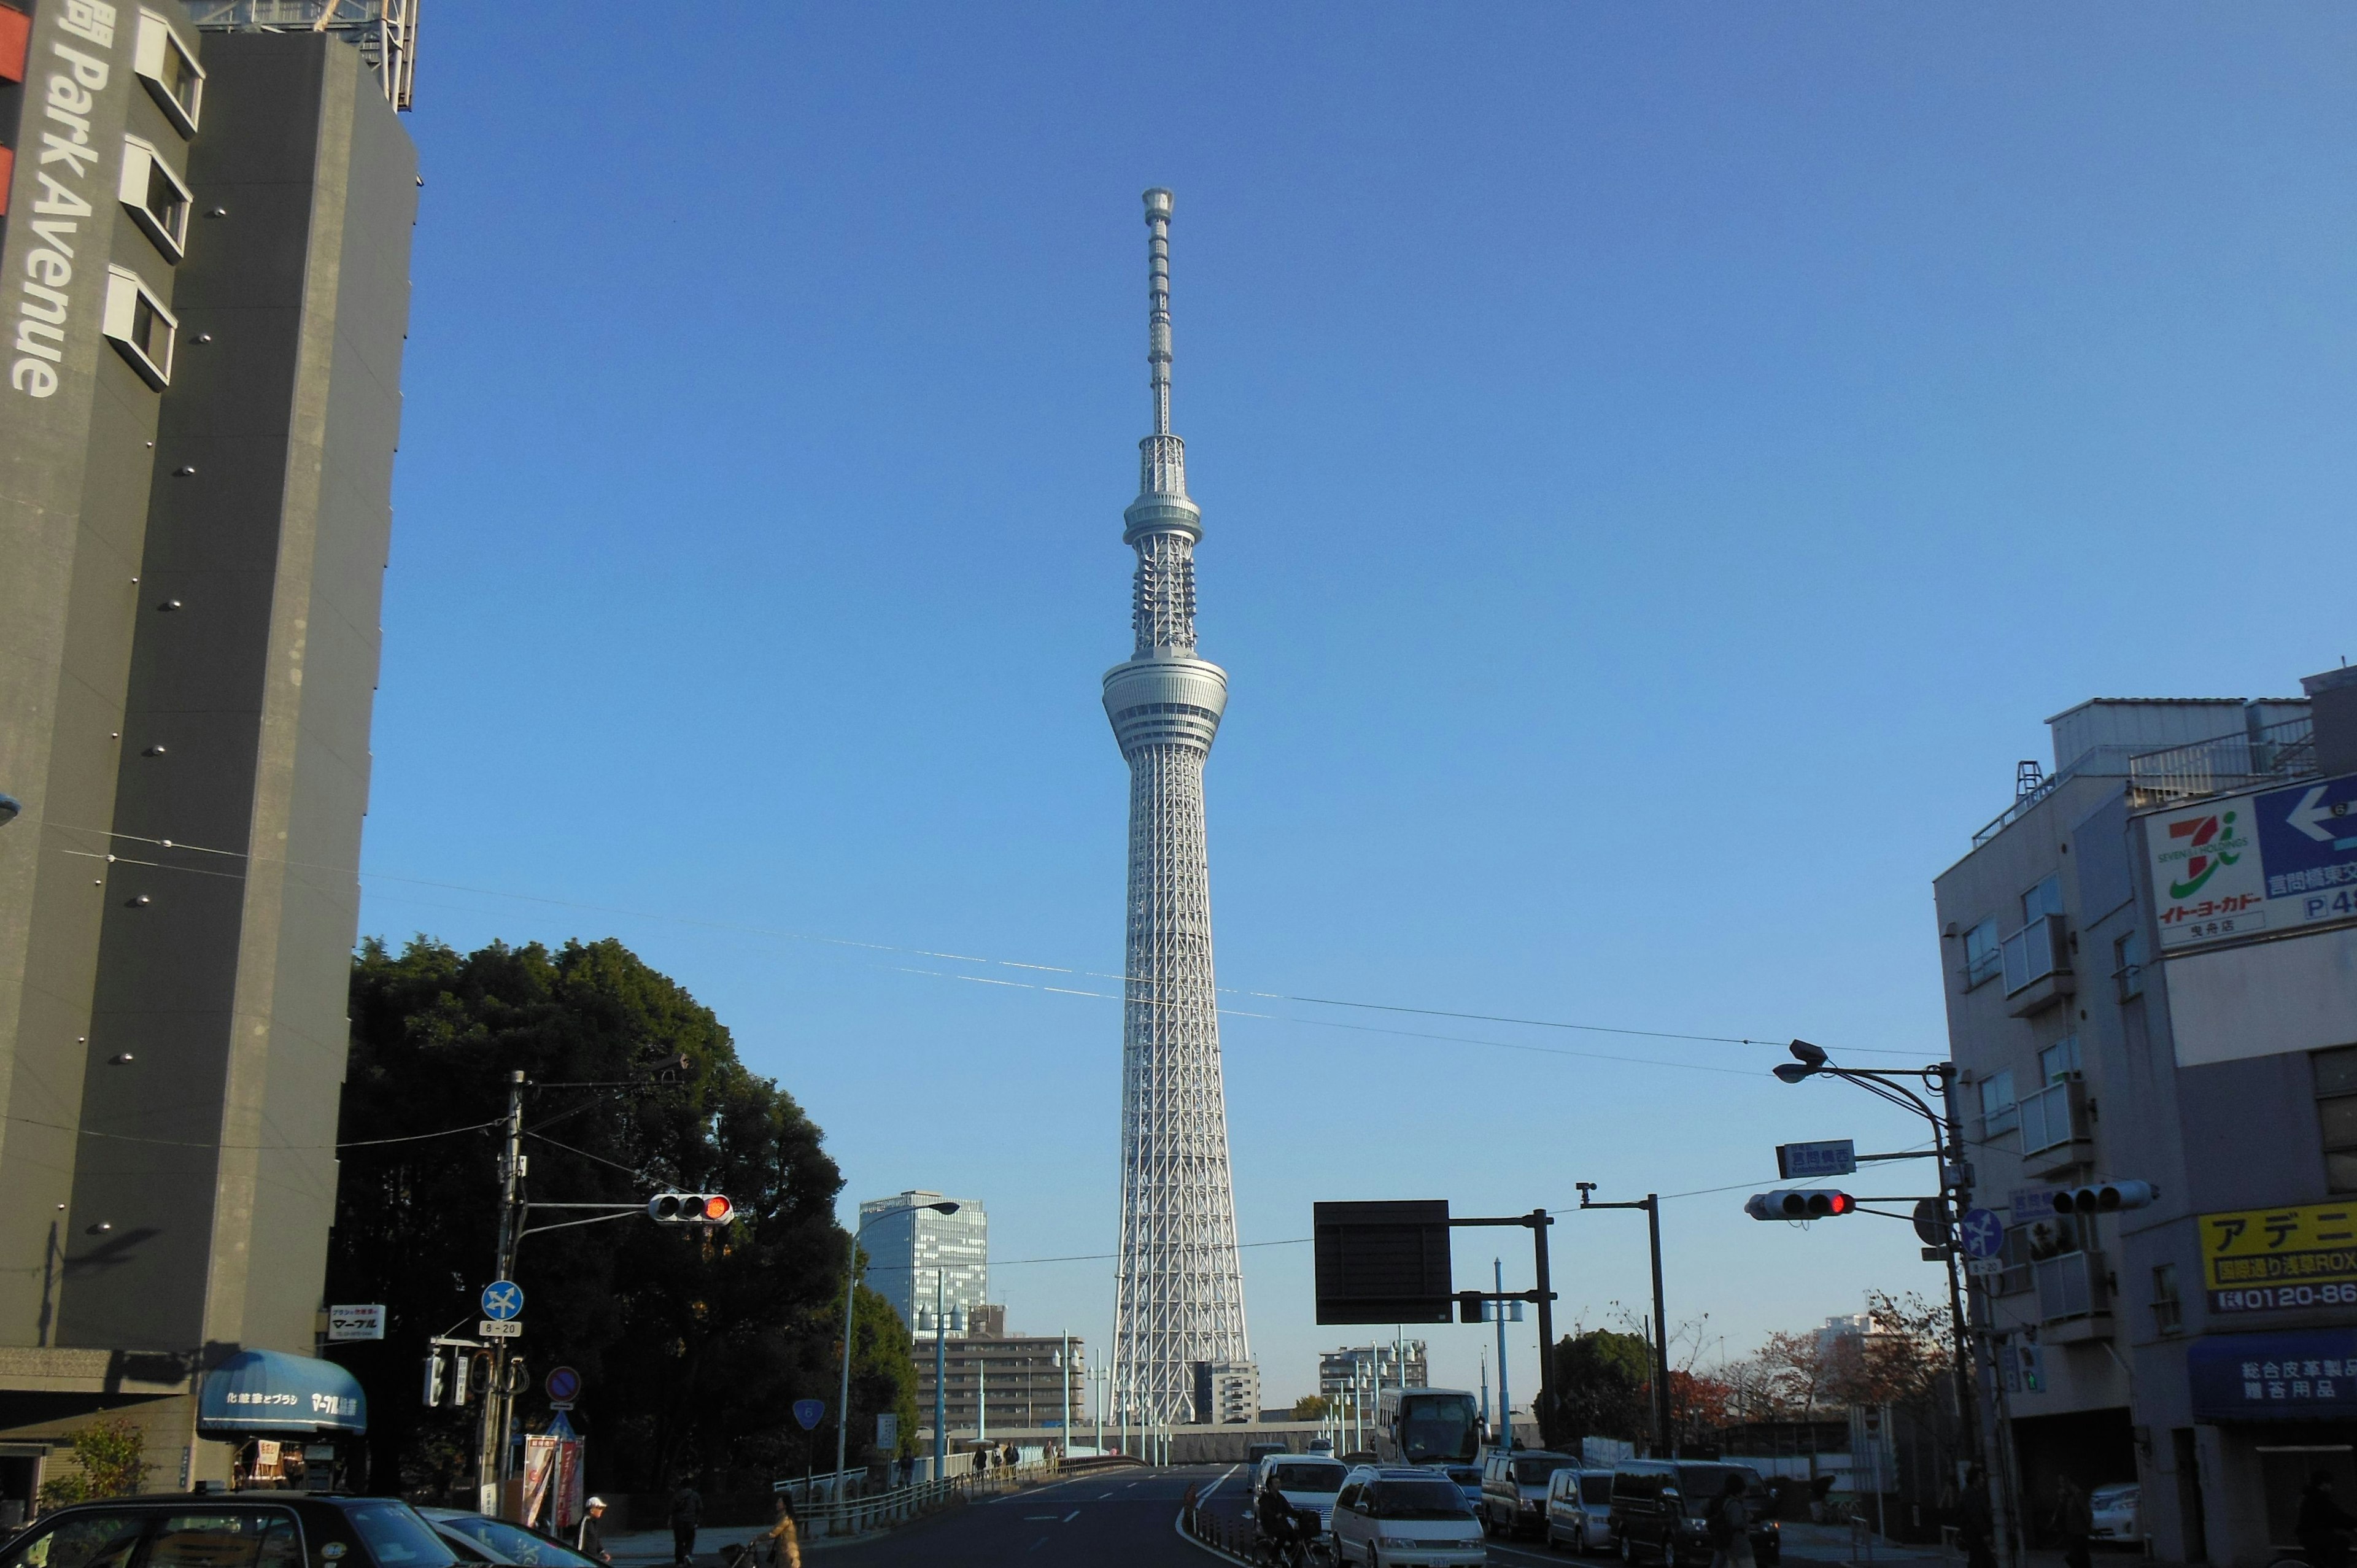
x: 1178, y: 1528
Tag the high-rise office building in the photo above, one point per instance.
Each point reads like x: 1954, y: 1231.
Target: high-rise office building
x: 922, y: 1260
x: 204, y: 248
x: 1179, y: 1285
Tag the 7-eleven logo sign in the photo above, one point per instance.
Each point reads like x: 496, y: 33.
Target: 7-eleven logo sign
x: 2204, y: 844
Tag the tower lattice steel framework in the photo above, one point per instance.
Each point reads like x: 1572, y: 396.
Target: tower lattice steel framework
x: 1179, y: 1295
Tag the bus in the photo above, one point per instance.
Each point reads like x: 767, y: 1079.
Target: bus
x: 1428, y: 1426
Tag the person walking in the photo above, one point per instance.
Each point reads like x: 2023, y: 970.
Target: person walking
x: 1729, y: 1526
x: 782, y: 1538
x: 686, y: 1515
x: 592, y: 1539
x: 1976, y: 1521
x: 2321, y: 1523
x: 2074, y: 1521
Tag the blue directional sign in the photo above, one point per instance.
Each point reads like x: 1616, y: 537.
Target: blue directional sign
x: 503, y: 1301
x: 1982, y: 1233
x: 809, y: 1413
x: 1800, y: 1162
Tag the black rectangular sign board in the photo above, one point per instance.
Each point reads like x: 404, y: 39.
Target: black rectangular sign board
x: 1382, y: 1262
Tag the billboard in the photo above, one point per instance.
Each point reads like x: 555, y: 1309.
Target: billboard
x: 2276, y: 1259
x: 2255, y: 865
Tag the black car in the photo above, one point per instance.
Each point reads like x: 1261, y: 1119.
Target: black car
x: 1661, y: 1511
x: 231, y: 1530
x: 497, y: 1540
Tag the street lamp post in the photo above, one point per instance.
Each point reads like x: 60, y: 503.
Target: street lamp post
x: 1651, y: 1204
x: 850, y: 1292
x: 1956, y: 1194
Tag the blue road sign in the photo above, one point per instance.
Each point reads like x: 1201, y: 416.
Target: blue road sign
x: 564, y: 1383
x: 1800, y: 1162
x: 810, y: 1413
x: 503, y: 1301
x: 1984, y: 1233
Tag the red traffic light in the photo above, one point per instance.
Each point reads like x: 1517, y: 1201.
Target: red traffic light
x: 1799, y: 1203
x: 689, y: 1208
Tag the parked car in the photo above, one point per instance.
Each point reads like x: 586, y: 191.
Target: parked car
x: 2117, y: 1508
x: 1392, y: 1516
x: 1514, y: 1489
x: 1661, y: 1508
x: 233, y: 1530
x: 505, y: 1543
x: 1579, y: 1510
x: 1304, y: 1481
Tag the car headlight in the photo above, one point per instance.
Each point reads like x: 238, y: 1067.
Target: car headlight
x: 1397, y: 1543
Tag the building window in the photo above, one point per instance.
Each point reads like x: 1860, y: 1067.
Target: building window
x: 1983, y: 956
x: 2167, y: 1309
x: 2128, y: 967
x: 2051, y: 1119
x: 140, y: 328
x: 1998, y: 1113
x: 2046, y: 898
x: 157, y: 197
x: 2060, y: 1060
x: 2336, y: 1109
x: 170, y: 73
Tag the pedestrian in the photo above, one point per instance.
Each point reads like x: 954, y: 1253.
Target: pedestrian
x: 2321, y: 1523
x: 1729, y: 1526
x: 1976, y: 1521
x: 783, y: 1538
x: 592, y: 1539
x: 2074, y: 1521
x: 686, y: 1514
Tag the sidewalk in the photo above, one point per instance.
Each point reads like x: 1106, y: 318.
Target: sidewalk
x: 1834, y: 1543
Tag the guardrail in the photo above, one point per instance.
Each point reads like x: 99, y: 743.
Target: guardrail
x: 882, y: 1510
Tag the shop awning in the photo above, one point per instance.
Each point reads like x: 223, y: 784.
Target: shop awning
x: 2305, y: 1376
x: 270, y: 1392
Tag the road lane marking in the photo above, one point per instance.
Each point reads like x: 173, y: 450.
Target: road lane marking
x: 1071, y: 1516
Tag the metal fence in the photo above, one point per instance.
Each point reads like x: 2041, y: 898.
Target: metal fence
x: 882, y: 1510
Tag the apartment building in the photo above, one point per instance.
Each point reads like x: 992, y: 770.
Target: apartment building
x: 2151, y: 960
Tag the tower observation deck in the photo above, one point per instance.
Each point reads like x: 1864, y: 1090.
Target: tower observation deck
x: 1180, y: 1296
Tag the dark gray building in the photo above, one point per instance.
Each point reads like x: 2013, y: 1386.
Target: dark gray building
x: 204, y: 263
x: 2151, y: 966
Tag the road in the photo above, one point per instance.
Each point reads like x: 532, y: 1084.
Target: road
x: 1123, y: 1518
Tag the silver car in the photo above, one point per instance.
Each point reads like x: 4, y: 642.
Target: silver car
x: 2116, y: 1508
x: 1579, y: 1510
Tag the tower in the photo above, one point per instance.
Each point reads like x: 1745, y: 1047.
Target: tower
x: 1180, y: 1292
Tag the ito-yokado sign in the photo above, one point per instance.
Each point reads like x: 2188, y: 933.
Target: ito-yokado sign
x: 2250, y: 866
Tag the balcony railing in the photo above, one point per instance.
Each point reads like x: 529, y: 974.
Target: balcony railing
x: 2054, y: 1116
x: 2225, y: 765
x: 2071, y: 1286
x: 2038, y: 949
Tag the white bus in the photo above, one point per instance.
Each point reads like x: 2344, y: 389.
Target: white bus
x: 1428, y: 1426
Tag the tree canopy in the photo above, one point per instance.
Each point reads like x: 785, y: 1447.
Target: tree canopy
x: 692, y: 1347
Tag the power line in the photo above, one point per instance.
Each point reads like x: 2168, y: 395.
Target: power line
x: 188, y: 1143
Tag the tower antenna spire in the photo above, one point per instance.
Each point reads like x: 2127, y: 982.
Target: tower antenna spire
x: 1158, y: 295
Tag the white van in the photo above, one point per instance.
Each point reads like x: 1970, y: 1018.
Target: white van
x: 1388, y: 1516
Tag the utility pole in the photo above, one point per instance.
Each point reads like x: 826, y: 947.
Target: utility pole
x: 1505, y: 1400
x: 491, y: 1459
x: 1663, y: 1438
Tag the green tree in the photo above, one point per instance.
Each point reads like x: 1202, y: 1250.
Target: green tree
x: 691, y: 1346
x: 1602, y: 1384
x: 110, y: 1461
x: 1312, y: 1407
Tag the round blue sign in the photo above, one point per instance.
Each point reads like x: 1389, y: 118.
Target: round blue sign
x: 564, y: 1383
x: 809, y: 1412
x: 503, y: 1301
x: 1984, y: 1233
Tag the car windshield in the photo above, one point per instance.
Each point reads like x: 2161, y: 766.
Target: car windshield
x: 1416, y: 1500
x: 1535, y: 1472
x: 397, y: 1537
x: 2112, y: 1494
x: 83, y: 1540
x: 514, y: 1543
x: 1595, y: 1489
x: 1300, y: 1477
x: 1702, y: 1485
x: 1437, y: 1426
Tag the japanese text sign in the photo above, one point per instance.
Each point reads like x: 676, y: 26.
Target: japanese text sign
x: 2249, y: 866
x: 2261, y: 1260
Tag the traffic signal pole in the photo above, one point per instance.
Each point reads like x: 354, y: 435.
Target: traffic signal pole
x: 1663, y: 1438
x: 491, y: 1462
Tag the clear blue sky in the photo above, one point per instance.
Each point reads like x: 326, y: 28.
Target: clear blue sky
x: 1660, y: 465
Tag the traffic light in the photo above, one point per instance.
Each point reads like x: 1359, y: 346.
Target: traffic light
x: 2105, y: 1197
x: 433, y: 1376
x: 1799, y: 1203
x: 689, y: 1208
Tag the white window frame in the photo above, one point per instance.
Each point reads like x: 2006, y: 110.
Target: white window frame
x: 155, y: 37
x: 124, y: 290
x: 140, y: 162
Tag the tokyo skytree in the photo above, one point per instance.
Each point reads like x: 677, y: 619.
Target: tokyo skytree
x: 1179, y: 1295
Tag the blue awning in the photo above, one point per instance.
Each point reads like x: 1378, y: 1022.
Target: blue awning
x: 2301, y: 1376
x: 267, y: 1390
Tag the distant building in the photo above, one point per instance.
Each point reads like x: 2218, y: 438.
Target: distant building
x: 1016, y: 1376
x: 912, y: 1250
x: 1362, y: 1367
x: 2151, y: 975
x: 1226, y: 1392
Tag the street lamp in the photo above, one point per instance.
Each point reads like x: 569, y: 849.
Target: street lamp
x: 850, y: 1290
